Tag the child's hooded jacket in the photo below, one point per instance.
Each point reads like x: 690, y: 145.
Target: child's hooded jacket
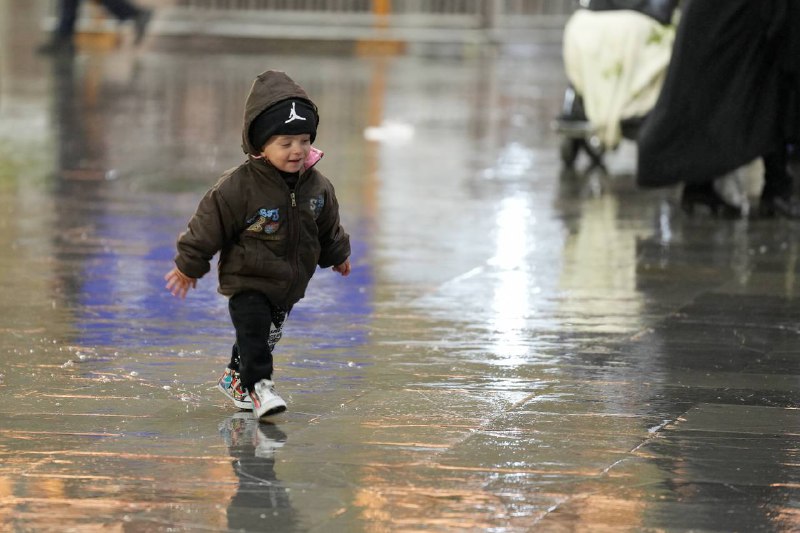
x: 270, y: 238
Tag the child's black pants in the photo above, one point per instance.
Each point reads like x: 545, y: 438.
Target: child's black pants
x: 258, y: 327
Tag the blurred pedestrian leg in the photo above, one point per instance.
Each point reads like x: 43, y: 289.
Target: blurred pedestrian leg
x: 62, y: 40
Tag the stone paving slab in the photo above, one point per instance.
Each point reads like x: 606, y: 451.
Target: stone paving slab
x: 519, y: 347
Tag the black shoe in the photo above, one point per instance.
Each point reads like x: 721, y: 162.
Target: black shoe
x: 140, y: 23
x: 704, y: 195
x: 57, y: 46
x: 775, y: 206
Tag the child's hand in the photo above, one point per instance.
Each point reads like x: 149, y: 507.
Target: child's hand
x: 344, y: 268
x: 179, y: 283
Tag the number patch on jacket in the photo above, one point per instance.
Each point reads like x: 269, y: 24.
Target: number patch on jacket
x: 317, y: 204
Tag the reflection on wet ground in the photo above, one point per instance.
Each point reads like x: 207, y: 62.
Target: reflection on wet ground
x: 518, y: 348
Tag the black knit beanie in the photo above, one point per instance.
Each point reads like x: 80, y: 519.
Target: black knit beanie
x: 287, y: 117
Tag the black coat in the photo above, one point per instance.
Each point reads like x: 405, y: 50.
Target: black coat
x: 730, y: 94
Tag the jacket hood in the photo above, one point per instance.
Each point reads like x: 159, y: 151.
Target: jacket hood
x: 268, y: 89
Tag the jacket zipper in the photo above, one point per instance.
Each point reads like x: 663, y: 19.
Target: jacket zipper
x: 295, y: 237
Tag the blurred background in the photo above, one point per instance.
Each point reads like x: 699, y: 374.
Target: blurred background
x: 527, y: 340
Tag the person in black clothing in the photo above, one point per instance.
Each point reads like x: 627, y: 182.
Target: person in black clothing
x: 730, y: 96
x: 123, y: 10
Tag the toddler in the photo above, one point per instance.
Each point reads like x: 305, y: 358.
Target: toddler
x: 273, y: 219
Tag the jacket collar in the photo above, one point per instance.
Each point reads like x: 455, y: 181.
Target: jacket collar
x: 313, y: 158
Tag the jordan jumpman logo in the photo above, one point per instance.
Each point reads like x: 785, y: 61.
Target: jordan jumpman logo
x: 293, y: 116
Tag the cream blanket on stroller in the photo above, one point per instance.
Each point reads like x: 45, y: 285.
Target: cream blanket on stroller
x: 616, y: 61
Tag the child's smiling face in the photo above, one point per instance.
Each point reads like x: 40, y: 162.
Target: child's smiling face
x: 287, y: 152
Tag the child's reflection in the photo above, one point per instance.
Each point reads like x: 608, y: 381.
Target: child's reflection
x: 261, y: 502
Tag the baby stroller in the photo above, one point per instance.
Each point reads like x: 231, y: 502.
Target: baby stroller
x: 616, y: 53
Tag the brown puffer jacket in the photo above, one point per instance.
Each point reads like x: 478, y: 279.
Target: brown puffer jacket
x: 270, y: 238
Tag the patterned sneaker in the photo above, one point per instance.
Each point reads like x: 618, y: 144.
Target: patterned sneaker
x: 265, y: 401
x: 231, y: 386
x: 236, y: 429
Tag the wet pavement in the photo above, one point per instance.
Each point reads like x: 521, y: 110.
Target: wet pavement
x: 519, y: 348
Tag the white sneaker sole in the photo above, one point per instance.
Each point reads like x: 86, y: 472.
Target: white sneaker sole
x: 248, y: 405
x: 271, y: 408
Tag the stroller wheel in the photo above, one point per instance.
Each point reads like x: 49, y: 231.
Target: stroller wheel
x: 570, y: 149
x: 595, y: 149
